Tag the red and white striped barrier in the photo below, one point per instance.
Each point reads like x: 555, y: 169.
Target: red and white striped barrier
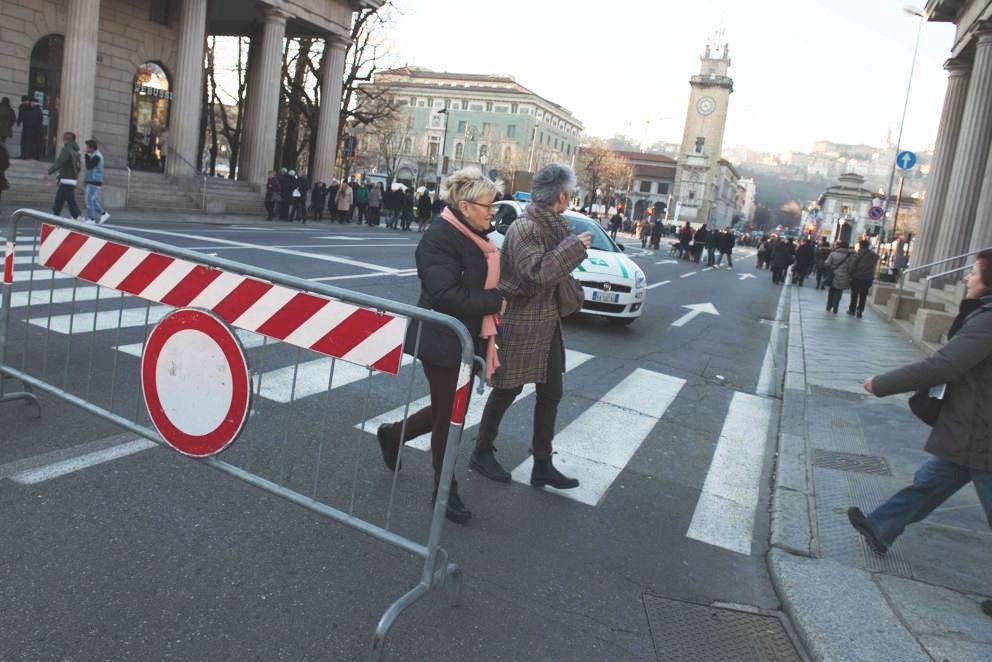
x: 358, y: 335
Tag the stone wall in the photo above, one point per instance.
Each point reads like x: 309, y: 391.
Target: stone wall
x: 127, y: 39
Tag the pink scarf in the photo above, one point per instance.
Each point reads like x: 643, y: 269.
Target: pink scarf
x: 489, y: 322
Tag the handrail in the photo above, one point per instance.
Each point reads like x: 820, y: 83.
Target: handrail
x: 127, y: 191
x: 196, y: 173
x: 931, y: 277
x: 905, y: 272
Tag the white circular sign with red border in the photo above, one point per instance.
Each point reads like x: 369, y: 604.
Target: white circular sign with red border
x: 194, y: 374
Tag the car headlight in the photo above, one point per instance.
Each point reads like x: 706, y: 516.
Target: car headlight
x: 639, y: 280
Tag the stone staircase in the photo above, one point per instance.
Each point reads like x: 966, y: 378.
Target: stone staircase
x: 135, y: 190
x: 927, y: 325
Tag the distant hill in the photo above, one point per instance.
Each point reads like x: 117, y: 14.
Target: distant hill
x: 774, y: 192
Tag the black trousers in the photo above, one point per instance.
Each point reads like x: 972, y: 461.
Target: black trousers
x: 545, y: 408
x: 859, y: 294
x: 833, y: 298
x: 778, y: 275
x: 435, y: 417
x: 65, y: 194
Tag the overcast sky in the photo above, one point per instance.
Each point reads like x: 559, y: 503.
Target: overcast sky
x: 803, y: 70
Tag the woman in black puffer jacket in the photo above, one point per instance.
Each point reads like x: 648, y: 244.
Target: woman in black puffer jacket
x: 455, y: 263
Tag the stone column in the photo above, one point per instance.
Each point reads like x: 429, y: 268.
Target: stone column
x: 940, y: 175
x: 79, y: 69
x: 263, y: 107
x: 248, y: 125
x: 184, y: 124
x: 330, y: 111
x: 970, y: 156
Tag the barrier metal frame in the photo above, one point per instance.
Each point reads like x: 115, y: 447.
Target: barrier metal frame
x: 437, y: 568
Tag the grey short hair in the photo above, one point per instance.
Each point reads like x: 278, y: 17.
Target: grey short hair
x: 551, y: 181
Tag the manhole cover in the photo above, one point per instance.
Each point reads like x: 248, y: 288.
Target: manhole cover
x: 687, y: 631
x: 866, y: 464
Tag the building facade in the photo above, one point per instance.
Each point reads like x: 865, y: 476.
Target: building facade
x: 697, y: 181
x: 957, y: 212
x: 130, y: 73
x: 651, y: 184
x: 451, y: 120
x: 725, y: 200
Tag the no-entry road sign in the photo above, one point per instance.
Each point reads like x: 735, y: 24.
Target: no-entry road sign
x: 194, y: 374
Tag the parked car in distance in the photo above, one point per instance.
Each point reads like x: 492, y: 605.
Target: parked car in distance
x: 615, y: 287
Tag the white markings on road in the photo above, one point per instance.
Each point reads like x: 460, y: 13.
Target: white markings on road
x: 311, y: 378
x: 271, y: 249
x: 768, y: 376
x: 107, y: 319
x: 664, y: 282
x: 691, y: 273
x: 726, y: 508
x: 57, y: 469
x: 248, y: 339
x: 473, y: 414
x: 667, y: 262
x: 695, y: 309
x: 591, y: 449
x: 399, y: 274
x: 745, y: 276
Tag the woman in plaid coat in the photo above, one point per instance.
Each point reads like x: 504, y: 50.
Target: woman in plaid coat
x: 538, y: 257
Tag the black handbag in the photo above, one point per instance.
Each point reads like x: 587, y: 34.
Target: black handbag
x: 925, y: 407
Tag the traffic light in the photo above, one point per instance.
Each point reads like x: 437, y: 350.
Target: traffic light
x: 619, y: 206
x: 811, y: 228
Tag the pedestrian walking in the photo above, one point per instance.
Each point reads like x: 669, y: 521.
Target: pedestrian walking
x: 712, y: 239
x: 392, y: 203
x: 23, y: 112
x: 780, y: 260
x: 342, y: 202
x: 685, y: 236
x: 761, y: 258
x: 4, y: 164
x: 615, y: 223
x: 822, y: 253
x: 862, y: 276
x: 408, y: 209
x: 644, y: 231
x: 375, y: 204
x: 301, y: 190
x: 94, y: 162
x: 538, y: 256
x: 959, y: 443
x: 31, y: 120
x: 273, y: 194
x: 288, y: 183
x: 838, y: 266
x: 699, y: 243
x: 318, y: 200
x: 361, y: 195
x: 656, y: 229
x: 424, y: 210
x: 67, y: 164
x: 805, y: 257
x: 8, y: 118
x: 725, y: 244
x: 459, y: 271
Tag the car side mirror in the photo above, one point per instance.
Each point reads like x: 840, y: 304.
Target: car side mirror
x: 622, y: 248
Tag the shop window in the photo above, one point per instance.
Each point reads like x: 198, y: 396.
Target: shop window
x: 151, y: 101
x: 159, y: 12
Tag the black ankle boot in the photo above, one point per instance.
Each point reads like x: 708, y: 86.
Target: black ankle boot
x: 544, y: 473
x: 389, y: 444
x: 455, y: 511
x: 486, y: 464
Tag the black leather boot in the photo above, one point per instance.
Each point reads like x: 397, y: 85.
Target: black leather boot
x: 389, y: 443
x: 486, y: 464
x: 455, y: 511
x: 544, y: 473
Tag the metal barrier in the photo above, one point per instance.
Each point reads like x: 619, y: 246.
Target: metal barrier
x: 282, y: 319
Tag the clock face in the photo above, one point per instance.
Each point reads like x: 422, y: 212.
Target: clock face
x: 705, y: 105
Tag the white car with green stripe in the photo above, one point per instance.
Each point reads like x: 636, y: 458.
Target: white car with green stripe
x: 614, y: 285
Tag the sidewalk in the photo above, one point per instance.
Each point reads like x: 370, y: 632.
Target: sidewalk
x: 841, y: 447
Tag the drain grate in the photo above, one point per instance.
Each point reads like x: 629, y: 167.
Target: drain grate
x: 866, y: 464
x: 687, y: 631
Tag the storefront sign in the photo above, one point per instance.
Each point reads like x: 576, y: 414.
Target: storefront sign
x: 152, y: 92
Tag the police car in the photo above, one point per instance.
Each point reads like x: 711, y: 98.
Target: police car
x: 615, y: 287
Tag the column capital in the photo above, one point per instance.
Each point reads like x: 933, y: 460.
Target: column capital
x: 957, y: 66
x: 984, y: 32
x: 276, y: 15
x: 337, y: 42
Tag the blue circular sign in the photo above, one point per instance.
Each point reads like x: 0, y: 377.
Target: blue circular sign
x: 906, y: 159
x: 876, y: 213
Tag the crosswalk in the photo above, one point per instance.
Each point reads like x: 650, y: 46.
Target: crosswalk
x: 596, y: 446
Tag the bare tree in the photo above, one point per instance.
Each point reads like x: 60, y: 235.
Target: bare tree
x: 601, y: 172
x: 225, y: 88
x: 386, y: 138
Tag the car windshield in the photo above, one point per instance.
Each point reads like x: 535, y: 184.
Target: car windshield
x: 600, y: 240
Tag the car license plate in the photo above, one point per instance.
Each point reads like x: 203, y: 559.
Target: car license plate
x: 606, y: 297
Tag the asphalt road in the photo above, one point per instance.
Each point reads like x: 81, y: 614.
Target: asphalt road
x: 153, y: 556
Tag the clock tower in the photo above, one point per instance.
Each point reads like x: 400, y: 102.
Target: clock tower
x: 702, y: 140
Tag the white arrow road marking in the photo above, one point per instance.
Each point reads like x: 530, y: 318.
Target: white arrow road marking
x: 694, y: 310
x: 473, y: 414
x: 725, y: 511
x: 664, y: 282
x: 745, y: 276
x: 597, y: 445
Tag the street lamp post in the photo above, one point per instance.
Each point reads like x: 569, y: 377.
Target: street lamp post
x: 892, y: 176
x: 444, y: 138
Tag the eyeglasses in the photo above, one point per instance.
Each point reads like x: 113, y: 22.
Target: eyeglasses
x: 481, y: 204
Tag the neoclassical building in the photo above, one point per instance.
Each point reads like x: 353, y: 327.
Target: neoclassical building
x: 957, y: 213
x: 130, y: 73
x: 463, y: 119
